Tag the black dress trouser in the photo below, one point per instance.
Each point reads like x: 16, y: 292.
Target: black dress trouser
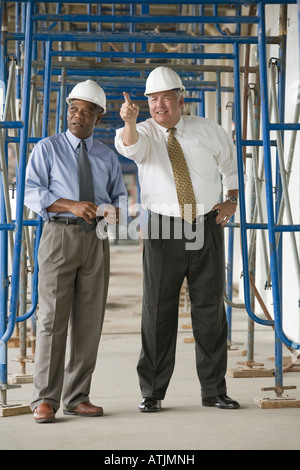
x: 166, y: 262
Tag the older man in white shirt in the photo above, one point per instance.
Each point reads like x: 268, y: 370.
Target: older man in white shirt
x: 207, y: 152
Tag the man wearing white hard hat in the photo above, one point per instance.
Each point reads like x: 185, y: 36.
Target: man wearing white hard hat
x: 180, y: 159
x: 72, y: 180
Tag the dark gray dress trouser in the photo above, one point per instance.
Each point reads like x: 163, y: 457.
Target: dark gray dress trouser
x: 166, y: 264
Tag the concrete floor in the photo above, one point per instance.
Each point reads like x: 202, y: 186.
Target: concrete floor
x: 183, y: 424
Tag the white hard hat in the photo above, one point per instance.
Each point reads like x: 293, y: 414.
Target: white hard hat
x: 163, y: 79
x: 89, y: 91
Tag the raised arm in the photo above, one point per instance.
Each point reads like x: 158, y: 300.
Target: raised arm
x: 129, y: 113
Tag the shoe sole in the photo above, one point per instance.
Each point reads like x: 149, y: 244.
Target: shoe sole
x: 44, y: 420
x: 85, y: 415
x: 221, y: 407
x: 149, y: 410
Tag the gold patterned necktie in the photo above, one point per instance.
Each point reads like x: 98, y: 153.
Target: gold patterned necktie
x: 184, y: 188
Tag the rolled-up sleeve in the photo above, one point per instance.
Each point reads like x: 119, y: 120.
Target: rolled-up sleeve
x: 137, y: 151
x: 227, y: 160
x: 37, y: 194
x: 118, y: 192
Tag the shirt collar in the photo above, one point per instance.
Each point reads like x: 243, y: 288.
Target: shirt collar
x: 179, y: 127
x: 75, y: 141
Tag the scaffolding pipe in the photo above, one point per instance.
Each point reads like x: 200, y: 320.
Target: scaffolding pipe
x: 290, y: 156
x: 269, y: 189
x: 20, y: 179
x: 257, y: 182
x: 284, y: 181
x: 243, y: 224
x: 10, y: 85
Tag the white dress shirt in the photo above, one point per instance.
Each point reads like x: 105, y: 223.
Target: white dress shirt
x: 209, y: 153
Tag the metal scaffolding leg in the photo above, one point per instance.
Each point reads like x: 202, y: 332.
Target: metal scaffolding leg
x: 280, y: 337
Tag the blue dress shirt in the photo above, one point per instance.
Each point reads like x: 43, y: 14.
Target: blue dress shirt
x: 51, y: 173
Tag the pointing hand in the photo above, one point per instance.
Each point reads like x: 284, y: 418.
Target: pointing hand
x: 129, y: 111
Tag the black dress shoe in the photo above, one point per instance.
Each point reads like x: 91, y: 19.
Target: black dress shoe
x: 221, y: 401
x: 149, y: 405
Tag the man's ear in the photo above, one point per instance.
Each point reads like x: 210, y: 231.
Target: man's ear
x: 99, y: 118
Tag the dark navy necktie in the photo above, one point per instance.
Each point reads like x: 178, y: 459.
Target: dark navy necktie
x: 86, y: 187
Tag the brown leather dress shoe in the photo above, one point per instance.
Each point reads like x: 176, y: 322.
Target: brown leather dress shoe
x: 85, y: 409
x: 44, y: 413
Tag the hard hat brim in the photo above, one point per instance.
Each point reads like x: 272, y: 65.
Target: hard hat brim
x: 158, y: 90
x: 83, y: 98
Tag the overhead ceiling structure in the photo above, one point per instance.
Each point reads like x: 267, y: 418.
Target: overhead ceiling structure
x: 47, y: 47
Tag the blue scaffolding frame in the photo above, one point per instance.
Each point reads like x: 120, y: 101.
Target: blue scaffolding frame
x: 110, y: 66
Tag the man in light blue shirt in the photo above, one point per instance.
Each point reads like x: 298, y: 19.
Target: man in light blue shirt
x: 52, y: 175
x: 73, y: 261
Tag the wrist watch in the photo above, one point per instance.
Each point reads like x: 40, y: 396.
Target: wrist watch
x: 232, y: 199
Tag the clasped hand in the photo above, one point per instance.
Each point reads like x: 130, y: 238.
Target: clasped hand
x: 88, y: 211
